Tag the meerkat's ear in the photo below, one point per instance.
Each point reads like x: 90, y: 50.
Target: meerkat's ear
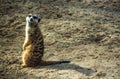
x: 29, y: 15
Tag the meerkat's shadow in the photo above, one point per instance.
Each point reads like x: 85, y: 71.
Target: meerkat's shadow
x: 68, y: 66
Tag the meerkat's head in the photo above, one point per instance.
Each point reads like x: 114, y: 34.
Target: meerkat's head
x: 33, y: 19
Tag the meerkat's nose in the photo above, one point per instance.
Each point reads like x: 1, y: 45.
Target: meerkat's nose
x: 31, y: 19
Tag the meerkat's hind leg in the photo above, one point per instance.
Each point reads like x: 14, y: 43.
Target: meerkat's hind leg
x: 23, y: 63
x: 24, y: 58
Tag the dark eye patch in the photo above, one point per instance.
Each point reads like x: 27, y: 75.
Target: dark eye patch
x: 35, y: 17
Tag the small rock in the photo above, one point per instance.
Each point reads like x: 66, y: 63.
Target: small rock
x: 59, y: 15
x: 101, y: 74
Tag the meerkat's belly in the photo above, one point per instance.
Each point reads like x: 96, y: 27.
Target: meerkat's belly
x: 33, y: 55
x: 37, y: 48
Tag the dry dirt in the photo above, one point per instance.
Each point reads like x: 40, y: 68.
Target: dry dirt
x: 86, y: 32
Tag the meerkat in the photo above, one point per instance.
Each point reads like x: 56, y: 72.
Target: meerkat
x: 33, y: 47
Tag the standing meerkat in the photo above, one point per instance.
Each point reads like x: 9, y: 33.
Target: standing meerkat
x: 33, y: 47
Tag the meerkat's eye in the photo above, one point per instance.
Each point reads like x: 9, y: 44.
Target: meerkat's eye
x: 35, y: 17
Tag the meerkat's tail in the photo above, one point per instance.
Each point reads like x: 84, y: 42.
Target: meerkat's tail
x: 45, y: 63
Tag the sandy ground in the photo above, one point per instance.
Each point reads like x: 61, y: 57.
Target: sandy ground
x: 84, y: 32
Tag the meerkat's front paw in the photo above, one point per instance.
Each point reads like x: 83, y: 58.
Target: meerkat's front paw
x: 24, y: 65
x: 23, y: 47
